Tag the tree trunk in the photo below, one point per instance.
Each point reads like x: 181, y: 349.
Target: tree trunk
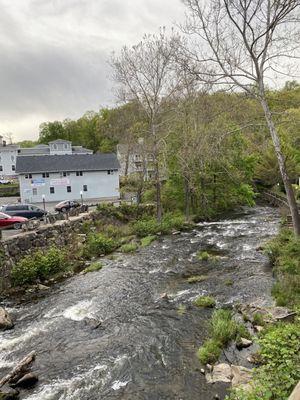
x: 20, y: 369
x: 281, y: 161
x: 157, y: 175
x: 187, y: 199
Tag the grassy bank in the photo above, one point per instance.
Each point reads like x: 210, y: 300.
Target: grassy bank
x: 279, y: 355
x: 125, y: 229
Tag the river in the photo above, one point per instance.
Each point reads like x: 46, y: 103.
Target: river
x: 145, y: 347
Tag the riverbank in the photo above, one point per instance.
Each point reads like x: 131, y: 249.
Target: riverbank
x: 144, y: 344
x: 278, y: 371
x: 58, y: 252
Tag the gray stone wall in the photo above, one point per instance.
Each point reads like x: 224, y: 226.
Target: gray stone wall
x: 60, y: 234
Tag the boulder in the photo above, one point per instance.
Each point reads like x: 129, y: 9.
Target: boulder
x: 296, y: 393
x: 8, y: 393
x: 5, y: 320
x: 220, y: 373
x: 27, y: 381
x: 241, y: 376
x: 243, y: 343
x: 268, y: 314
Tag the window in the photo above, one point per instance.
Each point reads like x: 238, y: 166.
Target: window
x: 34, y: 191
x: 69, y: 190
x: 12, y: 158
x: 45, y: 175
x: 79, y: 173
x: 64, y: 173
x: 13, y: 167
x: 66, y: 145
x: 110, y: 172
x: 28, y: 176
x: 85, y: 188
x: 1, y: 168
x: 16, y: 208
x: 55, y: 147
x: 52, y: 190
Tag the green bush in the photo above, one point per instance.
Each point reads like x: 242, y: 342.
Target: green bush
x: 99, y: 244
x: 39, y: 266
x: 151, y: 226
x: 209, y: 352
x: 147, y: 240
x: 280, y: 372
x: 129, y: 248
x: 205, y: 301
x: 284, y: 252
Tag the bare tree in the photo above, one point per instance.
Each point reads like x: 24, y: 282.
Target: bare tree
x: 144, y: 73
x: 243, y: 43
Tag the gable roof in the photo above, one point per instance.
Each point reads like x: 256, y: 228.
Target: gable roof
x: 67, y: 162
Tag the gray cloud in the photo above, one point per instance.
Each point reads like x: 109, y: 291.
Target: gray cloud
x: 54, y: 55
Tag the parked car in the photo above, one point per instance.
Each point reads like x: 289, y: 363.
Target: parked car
x: 67, y: 205
x: 9, y: 221
x: 23, y: 210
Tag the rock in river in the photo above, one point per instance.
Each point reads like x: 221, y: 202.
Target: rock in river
x: 27, y: 381
x: 5, y: 320
x: 7, y: 393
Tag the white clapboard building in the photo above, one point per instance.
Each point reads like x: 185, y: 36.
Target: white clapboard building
x: 64, y: 175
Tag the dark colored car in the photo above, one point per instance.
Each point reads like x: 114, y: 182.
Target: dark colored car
x: 23, y: 210
x: 9, y: 221
x: 67, y: 205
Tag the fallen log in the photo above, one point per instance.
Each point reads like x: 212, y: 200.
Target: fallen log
x: 19, y: 370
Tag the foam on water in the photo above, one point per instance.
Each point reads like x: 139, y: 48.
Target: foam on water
x: 78, y: 312
x: 71, y: 389
x: 16, y: 342
x: 118, y: 385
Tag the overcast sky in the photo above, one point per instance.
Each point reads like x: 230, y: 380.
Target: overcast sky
x: 53, y: 55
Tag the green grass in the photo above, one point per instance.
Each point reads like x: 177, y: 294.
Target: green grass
x: 129, y: 248
x: 222, y: 329
x: 95, y: 266
x: 98, y: 244
x: 147, y: 240
x: 203, y: 255
x: 258, y: 319
x: 228, y: 282
x: 196, y: 278
x: 209, y: 352
x: 205, y: 301
x: 181, y: 310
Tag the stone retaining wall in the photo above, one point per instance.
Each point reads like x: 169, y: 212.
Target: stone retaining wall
x: 60, y: 234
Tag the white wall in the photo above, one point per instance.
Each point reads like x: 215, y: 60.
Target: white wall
x: 7, y: 160
x: 100, y: 185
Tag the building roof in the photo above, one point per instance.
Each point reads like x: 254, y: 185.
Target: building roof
x: 67, y: 162
x: 60, y: 141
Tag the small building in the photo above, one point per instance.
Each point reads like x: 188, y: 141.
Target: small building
x: 135, y: 159
x: 58, y: 146
x: 8, y: 156
x: 61, y: 177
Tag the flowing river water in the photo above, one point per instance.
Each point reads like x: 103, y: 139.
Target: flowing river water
x: 145, y: 347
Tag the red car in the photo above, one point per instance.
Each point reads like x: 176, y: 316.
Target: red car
x: 7, y: 220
